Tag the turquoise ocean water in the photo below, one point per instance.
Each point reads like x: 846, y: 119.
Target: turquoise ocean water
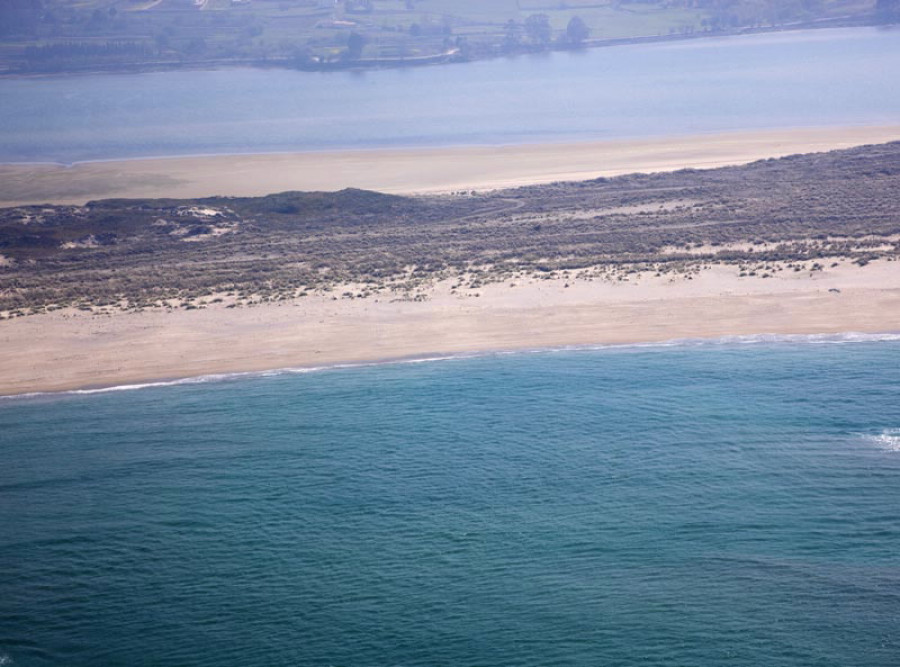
x: 728, y: 503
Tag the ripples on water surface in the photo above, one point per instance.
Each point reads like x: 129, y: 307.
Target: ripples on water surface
x: 721, y: 505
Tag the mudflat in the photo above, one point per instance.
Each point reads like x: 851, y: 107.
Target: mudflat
x: 411, y: 171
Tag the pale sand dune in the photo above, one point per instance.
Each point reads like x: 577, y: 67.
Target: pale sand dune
x: 74, y: 350
x: 412, y: 170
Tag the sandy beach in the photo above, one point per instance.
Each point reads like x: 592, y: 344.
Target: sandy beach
x: 412, y: 170
x: 71, y: 349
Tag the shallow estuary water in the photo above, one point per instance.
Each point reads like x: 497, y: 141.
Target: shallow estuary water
x: 777, y: 80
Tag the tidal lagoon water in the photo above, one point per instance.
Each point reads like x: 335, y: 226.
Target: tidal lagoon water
x: 792, y: 79
x: 703, y: 505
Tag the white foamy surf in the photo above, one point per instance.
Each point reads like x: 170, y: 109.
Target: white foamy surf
x: 888, y: 440
x: 722, y: 341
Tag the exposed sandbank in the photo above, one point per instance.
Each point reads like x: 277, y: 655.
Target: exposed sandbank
x: 412, y: 170
x: 69, y: 350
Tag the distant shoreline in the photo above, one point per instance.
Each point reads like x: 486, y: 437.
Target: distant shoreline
x: 412, y: 170
x: 441, y: 58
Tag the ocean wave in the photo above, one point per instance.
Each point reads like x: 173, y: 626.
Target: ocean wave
x: 722, y: 341
x: 888, y: 439
x: 764, y: 339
